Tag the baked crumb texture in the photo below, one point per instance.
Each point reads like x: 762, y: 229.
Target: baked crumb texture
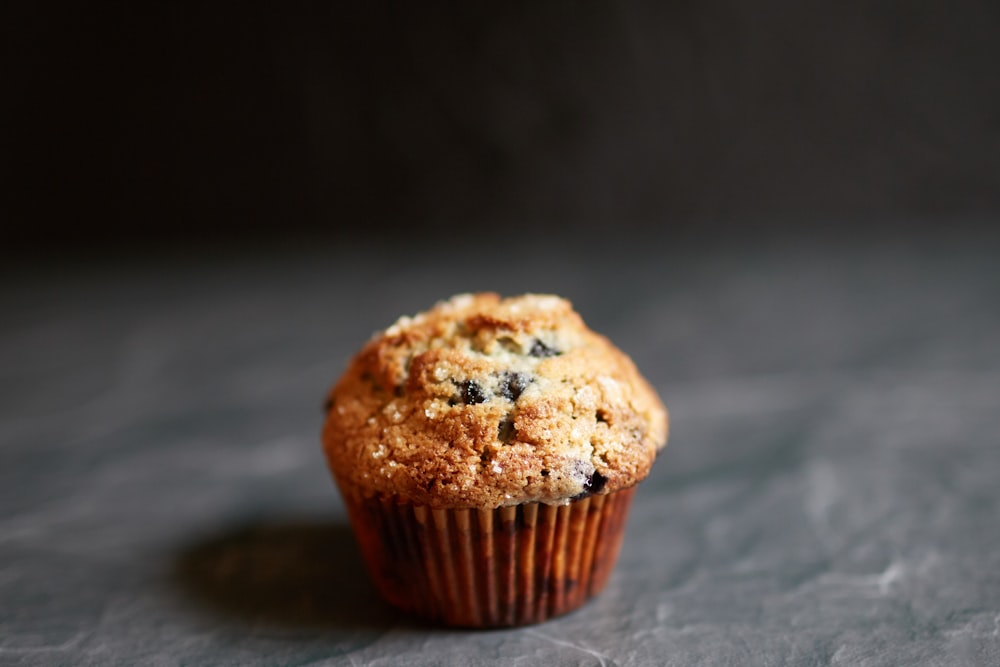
x: 483, y: 402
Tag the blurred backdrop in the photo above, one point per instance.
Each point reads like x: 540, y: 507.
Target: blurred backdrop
x: 782, y: 210
x: 138, y: 126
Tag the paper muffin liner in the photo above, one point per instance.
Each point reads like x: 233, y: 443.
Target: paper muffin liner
x: 485, y: 568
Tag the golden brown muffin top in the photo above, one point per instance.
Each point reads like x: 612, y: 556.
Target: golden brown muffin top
x: 483, y: 402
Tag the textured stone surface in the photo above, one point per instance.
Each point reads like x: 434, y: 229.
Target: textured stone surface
x: 829, y: 495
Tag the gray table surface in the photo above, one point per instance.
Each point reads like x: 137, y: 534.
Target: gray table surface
x: 830, y: 494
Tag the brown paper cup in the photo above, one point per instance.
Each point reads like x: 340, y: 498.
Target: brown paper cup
x: 481, y: 568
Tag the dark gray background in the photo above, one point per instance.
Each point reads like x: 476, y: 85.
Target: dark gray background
x: 137, y: 125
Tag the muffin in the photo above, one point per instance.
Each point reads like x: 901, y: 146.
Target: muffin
x: 487, y: 451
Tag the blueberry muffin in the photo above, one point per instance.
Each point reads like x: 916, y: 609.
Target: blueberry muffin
x: 487, y: 451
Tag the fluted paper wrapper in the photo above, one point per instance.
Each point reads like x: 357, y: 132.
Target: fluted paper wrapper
x: 481, y: 568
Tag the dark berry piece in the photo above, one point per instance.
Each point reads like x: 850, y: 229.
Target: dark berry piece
x: 595, y: 483
x: 545, y: 473
x: 506, y: 430
x: 541, y: 350
x: 472, y: 393
x: 512, y: 385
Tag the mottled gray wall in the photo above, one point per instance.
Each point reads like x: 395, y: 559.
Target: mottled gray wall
x: 141, y: 123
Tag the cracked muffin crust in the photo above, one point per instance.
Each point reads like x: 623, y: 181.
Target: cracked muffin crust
x: 483, y: 402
